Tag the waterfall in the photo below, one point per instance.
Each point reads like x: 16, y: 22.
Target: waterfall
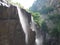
x: 24, y: 23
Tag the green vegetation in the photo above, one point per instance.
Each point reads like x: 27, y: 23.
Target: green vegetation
x: 37, y: 18
x: 55, y: 18
x: 53, y: 14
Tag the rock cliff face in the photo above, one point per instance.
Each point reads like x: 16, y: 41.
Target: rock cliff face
x: 11, y: 32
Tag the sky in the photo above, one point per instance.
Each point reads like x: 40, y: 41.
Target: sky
x: 25, y: 3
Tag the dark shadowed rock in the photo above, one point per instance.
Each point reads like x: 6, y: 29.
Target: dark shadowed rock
x: 32, y: 37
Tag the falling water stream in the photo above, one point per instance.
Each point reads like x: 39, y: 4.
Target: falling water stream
x: 24, y: 23
x: 25, y: 27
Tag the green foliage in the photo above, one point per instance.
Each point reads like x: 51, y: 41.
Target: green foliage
x: 37, y: 18
x: 44, y: 27
x: 55, y: 18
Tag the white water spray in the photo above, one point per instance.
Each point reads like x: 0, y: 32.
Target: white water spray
x: 24, y: 23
